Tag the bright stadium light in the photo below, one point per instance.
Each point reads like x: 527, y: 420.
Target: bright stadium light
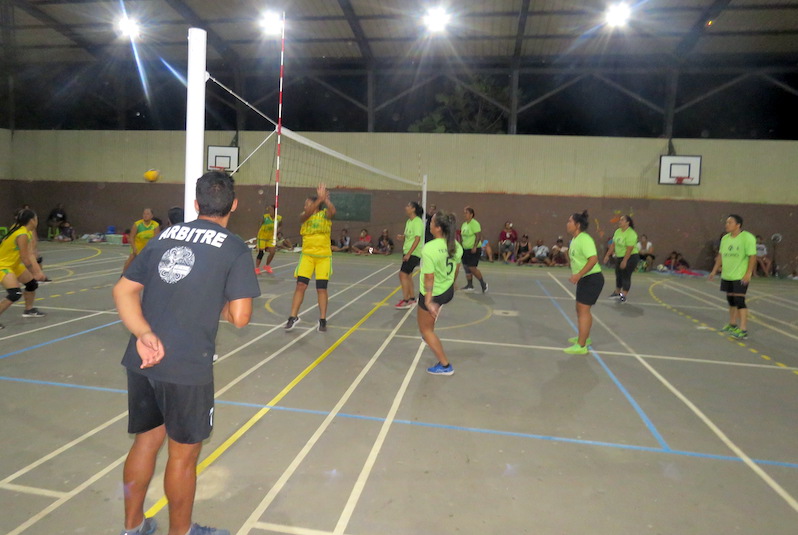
x: 129, y: 27
x: 436, y: 19
x: 618, y: 15
x: 271, y: 23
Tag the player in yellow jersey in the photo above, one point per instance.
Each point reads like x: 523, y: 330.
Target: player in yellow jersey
x: 266, y: 238
x: 141, y: 232
x: 316, y: 255
x: 18, y: 264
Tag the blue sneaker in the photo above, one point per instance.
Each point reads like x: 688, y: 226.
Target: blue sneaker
x: 440, y: 369
x: 147, y: 528
x: 196, y: 529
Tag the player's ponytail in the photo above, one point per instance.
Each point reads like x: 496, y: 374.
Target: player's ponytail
x: 416, y: 208
x: 22, y: 219
x: 582, y: 220
x: 447, y: 223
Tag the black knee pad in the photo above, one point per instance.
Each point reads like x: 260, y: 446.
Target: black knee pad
x: 303, y: 280
x: 739, y: 301
x: 13, y: 294
x: 730, y: 300
x: 39, y: 260
x: 31, y: 286
x: 260, y: 254
x: 321, y: 285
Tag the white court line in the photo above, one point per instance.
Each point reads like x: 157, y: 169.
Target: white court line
x: 305, y: 451
x: 368, y: 466
x: 613, y: 353
x: 289, y: 530
x: 68, y: 309
x: 33, y: 490
x: 99, y: 428
x: 48, y: 326
x: 751, y: 317
x: 772, y: 483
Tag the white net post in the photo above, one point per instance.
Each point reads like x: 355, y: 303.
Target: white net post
x: 195, y: 117
x: 424, y: 194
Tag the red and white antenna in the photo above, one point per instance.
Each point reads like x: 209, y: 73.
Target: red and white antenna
x: 279, y: 132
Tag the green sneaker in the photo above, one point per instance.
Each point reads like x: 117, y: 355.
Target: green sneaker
x: 739, y: 334
x: 728, y: 328
x: 575, y: 340
x: 576, y: 349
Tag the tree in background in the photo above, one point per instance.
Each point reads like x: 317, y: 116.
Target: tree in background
x: 462, y: 111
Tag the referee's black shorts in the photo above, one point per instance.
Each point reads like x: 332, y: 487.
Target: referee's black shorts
x: 186, y: 410
x: 588, y: 289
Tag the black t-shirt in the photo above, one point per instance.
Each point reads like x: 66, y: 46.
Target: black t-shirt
x: 189, y: 272
x: 427, y: 232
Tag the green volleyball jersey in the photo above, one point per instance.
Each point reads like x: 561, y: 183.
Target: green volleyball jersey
x: 435, y: 259
x: 735, y: 252
x: 414, y: 228
x: 623, y: 239
x: 580, y: 250
x: 468, y: 232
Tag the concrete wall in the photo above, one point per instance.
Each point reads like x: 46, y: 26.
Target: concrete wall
x: 540, y: 165
x: 683, y: 225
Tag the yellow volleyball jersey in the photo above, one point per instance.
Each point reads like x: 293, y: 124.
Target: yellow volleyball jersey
x: 9, y: 250
x: 144, y: 232
x: 316, y: 234
x: 268, y: 224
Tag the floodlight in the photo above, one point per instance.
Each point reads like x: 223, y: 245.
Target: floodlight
x: 129, y: 27
x: 271, y: 23
x: 436, y: 19
x: 617, y: 15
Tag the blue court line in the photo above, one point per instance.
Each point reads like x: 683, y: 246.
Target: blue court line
x: 18, y: 351
x: 640, y: 412
x: 495, y: 432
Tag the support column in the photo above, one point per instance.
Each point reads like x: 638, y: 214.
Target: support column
x: 370, y: 99
x: 512, y: 126
x: 672, y: 86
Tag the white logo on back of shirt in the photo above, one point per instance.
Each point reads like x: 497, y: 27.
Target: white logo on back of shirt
x: 176, y: 264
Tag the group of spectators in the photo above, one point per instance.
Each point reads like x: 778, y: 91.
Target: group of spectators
x: 365, y: 244
x: 520, y: 251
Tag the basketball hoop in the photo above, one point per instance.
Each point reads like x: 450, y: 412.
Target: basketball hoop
x: 217, y: 168
x: 681, y: 179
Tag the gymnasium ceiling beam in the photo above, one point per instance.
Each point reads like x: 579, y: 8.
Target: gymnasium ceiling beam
x: 214, y: 39
x: 357, y: 29
x: 690, y: 40
x: 64, y: 29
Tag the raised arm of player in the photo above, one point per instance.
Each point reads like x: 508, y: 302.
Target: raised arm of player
x: 127, y: 297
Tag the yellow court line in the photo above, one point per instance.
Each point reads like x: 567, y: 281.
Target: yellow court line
x: 741, y: 344
x: 97, y: 253
x: 232, y: 439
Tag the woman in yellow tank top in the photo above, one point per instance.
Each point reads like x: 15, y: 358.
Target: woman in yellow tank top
x: 316, y: 255
x: 18, y: 265
x: 141, y: 233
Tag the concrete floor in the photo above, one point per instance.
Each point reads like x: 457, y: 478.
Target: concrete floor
x: 666, y: 428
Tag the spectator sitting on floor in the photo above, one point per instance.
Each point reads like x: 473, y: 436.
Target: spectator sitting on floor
x: 507, y: 238
x: 126, y: 237
x: 384, y: 243
x: 762, y: 259
x: 676, y: 262
x: 67, y: 233
x: 646, y: 251
x: 344, y: 244
x: 487, y: 251
x: 523, y: 250
x: 284, y: 243
x: 559, y: 254
x: 540, y: 254
x: 57, y: 217
x: 363, y: 245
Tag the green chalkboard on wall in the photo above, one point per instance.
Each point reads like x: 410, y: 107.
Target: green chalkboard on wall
x: 351, y: 206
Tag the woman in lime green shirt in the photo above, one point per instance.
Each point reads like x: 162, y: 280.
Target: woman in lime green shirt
x: 586, y: 274
x: 624, y: 247
x: 440, y: 262
x: 471, y: 239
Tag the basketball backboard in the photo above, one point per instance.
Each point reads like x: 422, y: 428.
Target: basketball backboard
x: 224, y: 157
x: 680, y: 170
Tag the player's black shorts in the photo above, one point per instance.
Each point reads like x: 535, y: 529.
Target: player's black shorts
x: 588, y: 289
x: 409, y: 265
x: 187, y: 410
x: 471, y: 259
x: 733, y: 287
x: 442, y: 299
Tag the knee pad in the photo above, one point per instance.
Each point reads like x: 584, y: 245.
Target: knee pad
x: 13, y: 294
x: 260, y: 254
x: 730, y: 300
x: 303, y: 280
x: 739, y: 301
x: 321, y: 285
x: 39, y: 260
x: 31, y: 286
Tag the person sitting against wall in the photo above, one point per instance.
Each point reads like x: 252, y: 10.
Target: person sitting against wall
x: 523, y: 250
x: 344, y: 243
x: 67, y: 233
x: 764, y: 262
x: 676, y: 262
x: 56, y: 218
x: 540, y: 254
x: 646, y: 251
x: 284, y: 243
x: 487, y: 251
x: 559, y: 254
x: 363, y: 245
x: 507, y: 239
x: 384, y: 243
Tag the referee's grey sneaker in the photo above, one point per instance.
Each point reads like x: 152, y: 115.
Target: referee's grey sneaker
x: 322, y: 326
x: 147, y: 527
x: 291, y: 323
x: 33, y: 313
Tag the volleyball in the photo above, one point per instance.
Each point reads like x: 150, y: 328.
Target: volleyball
x: 152, y: 175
